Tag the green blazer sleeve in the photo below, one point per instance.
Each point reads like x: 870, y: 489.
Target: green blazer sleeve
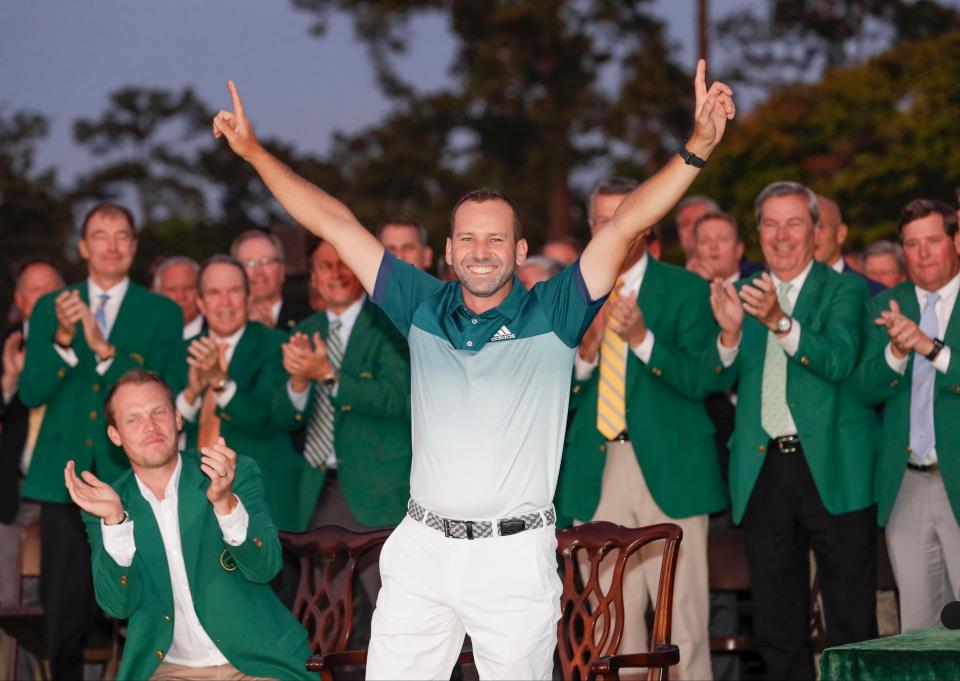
x: 385, y: 391
x: 44, y: 369
x: 874, y: 382
x: 117, y: 588
x: 258, y: 557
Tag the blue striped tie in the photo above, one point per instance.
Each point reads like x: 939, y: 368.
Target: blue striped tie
x: 101, y: 315
x: 319, y: 446
x: 922, y: 438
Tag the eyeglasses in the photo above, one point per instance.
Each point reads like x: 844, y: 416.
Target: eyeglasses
x: 261, y: 262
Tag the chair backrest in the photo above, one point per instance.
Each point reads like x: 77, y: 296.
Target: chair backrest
x: 328, y: 563
x: 592, y: 621
x: 727, y: 560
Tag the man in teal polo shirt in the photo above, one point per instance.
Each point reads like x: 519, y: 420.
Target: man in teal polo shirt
x: 491, y: 365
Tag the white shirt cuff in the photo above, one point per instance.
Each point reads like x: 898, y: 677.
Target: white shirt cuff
x: 187, y: 410
x: 582, y: 369
x: 68, y: 355
x: 8, y: 398
x: 791, y: 342
x: 728, y: 355
x: 233, y: 526
x: 118, y: 542
x: 223, y: 397
x: 942, y: 361
x: 104, y: 366
x: 898, y: 365
x: 298, y: 400
x: 645, y: 349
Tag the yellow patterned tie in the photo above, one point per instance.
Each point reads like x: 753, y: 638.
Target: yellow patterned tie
x: 611, y: 407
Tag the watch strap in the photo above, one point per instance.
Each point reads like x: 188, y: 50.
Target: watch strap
x: 937, y: 347
x: 690, y: 158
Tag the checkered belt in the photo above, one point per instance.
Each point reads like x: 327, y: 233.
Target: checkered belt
x: 478, y: 529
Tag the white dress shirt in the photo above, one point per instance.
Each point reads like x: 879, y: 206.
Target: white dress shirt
x: 789, y: 342
x: 110, y: 311
x: 275, y: 311
x: 193, y: 328
x: 944, y: 310
x: 839, y: 266
x: 632, y: 281
x: 347, y: 319
x: 191, y: 646
x: 190, y: 411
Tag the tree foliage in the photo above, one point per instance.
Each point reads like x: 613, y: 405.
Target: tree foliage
x: 872, y: 137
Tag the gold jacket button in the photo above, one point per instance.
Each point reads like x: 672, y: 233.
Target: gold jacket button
x: 603, y: 448
x: 762, y: 448
x: 96, y: 387
x: 576, y: 389
x: 656, y: 371
x: 298, y: 417
x: 166, y: 616
x: 893, y: 383
x: 159, y: 654
x: 88, y: 442
x: 61, y: 372
x: 258, y: 542
x: 366, y: 375
x: 805, y: 361
x: 123, y: 580
x: 93, y: 416
x: 908, y: 449
x: 345, y: 407
x: 717, y: 369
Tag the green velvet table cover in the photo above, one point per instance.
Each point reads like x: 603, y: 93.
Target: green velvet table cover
x: 925, y: 655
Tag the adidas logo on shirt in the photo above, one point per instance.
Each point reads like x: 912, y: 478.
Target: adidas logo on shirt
x: 503, y: 334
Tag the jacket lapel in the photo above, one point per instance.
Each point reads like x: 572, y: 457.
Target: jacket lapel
x: 192, y: 508
x: 125, y: 322
x: 354, y: 348
x: 244, y: 362
x: 149, y: 541
x: 809, y: 295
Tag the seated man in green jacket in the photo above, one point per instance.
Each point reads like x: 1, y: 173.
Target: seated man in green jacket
x: 184, y: 547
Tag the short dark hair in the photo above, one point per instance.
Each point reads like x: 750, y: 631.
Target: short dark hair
x: 422, y: 236
x: 222, y: 259
x: 718, y: 215
x: 921, y: 208
x: 488, y: 194
x: 787, y: 188
x: 135, y: 377
x: 109, y: 209
x: 567, y: 240
x: 611, y: 186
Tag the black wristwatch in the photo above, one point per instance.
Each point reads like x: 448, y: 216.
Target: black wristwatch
x: 937, y: 347
x: 690, y: 158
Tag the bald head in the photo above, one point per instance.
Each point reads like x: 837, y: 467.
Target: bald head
x: 831, y: 231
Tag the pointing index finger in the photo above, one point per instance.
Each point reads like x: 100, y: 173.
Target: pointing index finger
x: 700, y: 82
x: 235, y: 98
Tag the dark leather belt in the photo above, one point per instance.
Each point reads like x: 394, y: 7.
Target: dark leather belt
x: 930, y: 468
x: 480, y: 529
x: 785, y: 444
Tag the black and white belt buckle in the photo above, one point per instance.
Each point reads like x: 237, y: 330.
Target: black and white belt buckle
x: 788, y: 444
x: 511, y: 526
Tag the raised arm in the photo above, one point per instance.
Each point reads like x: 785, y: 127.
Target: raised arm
x: 306, y: 203
x: 649, y: 202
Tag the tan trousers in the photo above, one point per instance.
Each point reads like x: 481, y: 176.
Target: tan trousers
x: 626, y: 500
x: 167, y: 671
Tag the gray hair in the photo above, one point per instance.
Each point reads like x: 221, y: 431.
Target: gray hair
x: 167, y: 263
x: 696, y: 200
x: 549, y: 266
x: 422, y: 237
x: 786, y: 188
x: 884, y: 247
x: 612, y: 186
x: 257, y: 234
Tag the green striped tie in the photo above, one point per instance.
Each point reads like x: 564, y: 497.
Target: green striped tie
x: 318, y: 449
x: 773, y: 390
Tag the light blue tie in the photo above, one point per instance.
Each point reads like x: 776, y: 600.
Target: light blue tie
x: 101, y: 314
x: 922, y: 439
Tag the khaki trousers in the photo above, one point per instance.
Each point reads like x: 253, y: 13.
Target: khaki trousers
x: 626, y: 500
x: 167, y: 671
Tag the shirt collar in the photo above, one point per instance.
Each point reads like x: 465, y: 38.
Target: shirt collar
x: 509, y: 308
x: 231, y: 340
x: 116, y: 292
x: 169, y: 492
x: 348, y: 316
x: 25, y: 329
x: 797, y: 281
x: 193, y: 328
x: 947, y: 292
x: 839, y: 266
x: 275, y: 310
x: 633, y: 277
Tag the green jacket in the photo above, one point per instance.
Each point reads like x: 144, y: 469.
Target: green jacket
x: 876, y: 383
x: 830, y: 421
x: 230, y: 585
x: 249, y: 427
x: 146, y: 333
x: 669, y: 427
x: 371, y: 428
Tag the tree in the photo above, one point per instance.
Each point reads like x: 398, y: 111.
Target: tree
x: 872, y: 137
x: 536, y: 96
x: 34, y: 221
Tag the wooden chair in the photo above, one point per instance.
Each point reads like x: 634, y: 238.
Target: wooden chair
x: 591, y: 628
x: 324, y: 600
x: 24, y: 623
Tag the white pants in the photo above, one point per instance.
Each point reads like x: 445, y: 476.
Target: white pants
x: 502, y: 591
x: 924, y: 543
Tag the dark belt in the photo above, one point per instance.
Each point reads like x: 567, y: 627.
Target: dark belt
x: 785, y: 444
x: 621, y: 437
x: 929, y: 468
x: 480, y: 529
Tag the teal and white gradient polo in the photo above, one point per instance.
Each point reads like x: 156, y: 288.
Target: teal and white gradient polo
x: 489, y: 392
